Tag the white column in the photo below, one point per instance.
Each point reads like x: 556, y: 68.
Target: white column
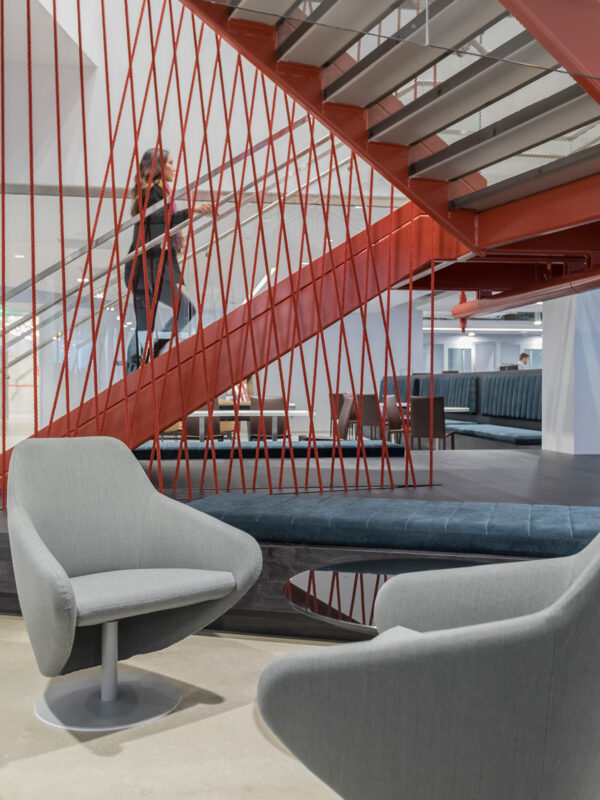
x: 571, y: 374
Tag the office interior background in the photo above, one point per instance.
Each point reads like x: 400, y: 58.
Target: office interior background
x: 395, y: 196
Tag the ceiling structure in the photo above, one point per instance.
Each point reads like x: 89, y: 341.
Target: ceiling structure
x: 484, y: 113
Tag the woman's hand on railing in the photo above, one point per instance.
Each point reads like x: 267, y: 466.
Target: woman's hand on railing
x: 203, y: 208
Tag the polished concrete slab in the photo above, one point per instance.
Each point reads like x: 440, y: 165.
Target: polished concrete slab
x: 213, y: 746
x: 517, y: 475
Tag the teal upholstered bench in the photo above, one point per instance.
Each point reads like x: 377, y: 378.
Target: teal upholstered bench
x: 512, y: 529
x: 496, y: 433
x: 170, y: 449
x: 333, y: 532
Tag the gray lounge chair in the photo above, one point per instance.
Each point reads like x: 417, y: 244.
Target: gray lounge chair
x: 107, y: 568
x: 483, y: 684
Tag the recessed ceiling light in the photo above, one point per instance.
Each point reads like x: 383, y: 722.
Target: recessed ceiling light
x: 537, y: 322
x: 471, y: 333
x: 19, y: 255
x: 539, y: 303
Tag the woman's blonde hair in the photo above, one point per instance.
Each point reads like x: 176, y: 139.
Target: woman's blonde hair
x: 159, y: 158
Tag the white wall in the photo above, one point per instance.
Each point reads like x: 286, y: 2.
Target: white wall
x: 570, y: 396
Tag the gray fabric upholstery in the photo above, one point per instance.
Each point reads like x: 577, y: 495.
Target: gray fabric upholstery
x: 496, y: 696
x: 106, y: 596
x: 82, y: 506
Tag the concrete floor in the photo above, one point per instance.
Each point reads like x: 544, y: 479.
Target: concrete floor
x: 213, y: 746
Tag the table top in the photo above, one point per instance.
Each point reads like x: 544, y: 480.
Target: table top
x: 344, y: 594
x: 254, y: 412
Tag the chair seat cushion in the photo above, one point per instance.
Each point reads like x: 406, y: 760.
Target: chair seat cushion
x: 106, y: 596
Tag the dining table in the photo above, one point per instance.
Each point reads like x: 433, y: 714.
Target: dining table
x: 245, y: 414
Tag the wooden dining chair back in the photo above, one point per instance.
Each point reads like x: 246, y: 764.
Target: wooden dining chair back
x: 420, y: 427
x: 370, y: 415
x: 393, y: 419
x: 345, y: 417
x: 336, y: 401
x: 192, y: 427
x: 274, y: 403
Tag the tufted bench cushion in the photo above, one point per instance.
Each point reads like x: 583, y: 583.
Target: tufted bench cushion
x: 518, y: 396
x: 452, y: 527
x: 389, y: 387
x: 170, y: 449
x: 497, y: 433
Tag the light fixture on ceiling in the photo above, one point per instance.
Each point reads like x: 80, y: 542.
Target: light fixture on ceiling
x: 19, y: 255
x: 471, y: 333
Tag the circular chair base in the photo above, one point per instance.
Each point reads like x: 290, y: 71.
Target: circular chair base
x: 76, y: 705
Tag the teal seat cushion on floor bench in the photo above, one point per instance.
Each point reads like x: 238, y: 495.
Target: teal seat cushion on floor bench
x: 441, y: 526
x: 171, y: 449
x: 496, y: 433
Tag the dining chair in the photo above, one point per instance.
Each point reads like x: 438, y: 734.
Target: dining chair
x: 420, y: 426
x: 370, y: 415
x: 336, y: 401
x: 394, y: 419
x: 345, y: 417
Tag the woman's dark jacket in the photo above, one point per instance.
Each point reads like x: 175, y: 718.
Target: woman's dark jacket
x: 154, y: 226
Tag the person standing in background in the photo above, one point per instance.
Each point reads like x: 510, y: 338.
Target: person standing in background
x: 523, y: 361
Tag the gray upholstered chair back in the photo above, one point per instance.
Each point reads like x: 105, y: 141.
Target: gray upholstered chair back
x: 105, y: 519
x: 574, y: 671
x: 483, y: 683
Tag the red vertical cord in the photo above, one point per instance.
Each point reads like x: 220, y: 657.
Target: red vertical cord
x: 409, y: 354
x: 3, y: 245
x: 431, y: 381
x: 225, y: 339
x: 183, y: 121
x: 124, y: 201
x: 93, y: 356
x: 116, y: 221
x: 32, y: 223
x: 61, y: 210
x: 64, y: 365
x: 134, y: 161
x: 327, y: 247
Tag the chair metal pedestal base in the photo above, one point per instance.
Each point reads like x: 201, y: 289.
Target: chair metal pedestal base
x: 76, y: 704
x: 101, y: 702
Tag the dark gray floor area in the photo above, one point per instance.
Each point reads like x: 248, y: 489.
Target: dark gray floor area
x: 526, y: 475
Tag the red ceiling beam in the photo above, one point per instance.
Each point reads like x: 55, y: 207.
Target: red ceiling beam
x: 498, y: 276
x: 257, y: 43
x: 568, y: 29
x: 559, y: 287
x: 554, y: 210
x: 583, y: 240
x: 173, y: 383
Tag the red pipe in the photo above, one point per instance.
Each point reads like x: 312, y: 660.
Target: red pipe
x: 558, y: 287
